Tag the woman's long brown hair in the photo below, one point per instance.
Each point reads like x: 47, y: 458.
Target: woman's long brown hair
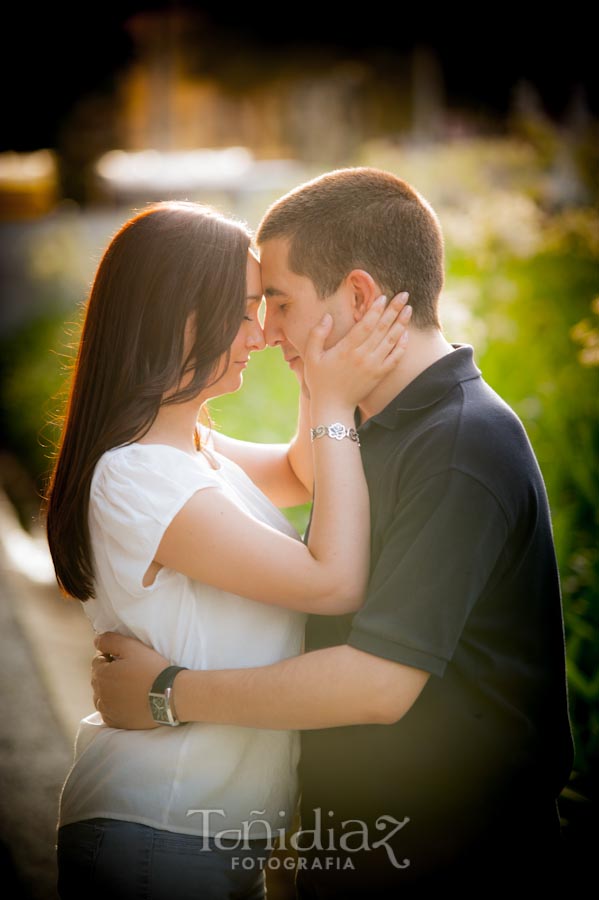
x: 172, y: 260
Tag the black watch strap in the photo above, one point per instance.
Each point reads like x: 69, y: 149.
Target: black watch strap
x: 165, y: 679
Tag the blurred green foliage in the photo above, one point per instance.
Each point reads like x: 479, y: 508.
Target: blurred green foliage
x: 522, y: 248
x: 533, y: 360
x: 34, y: 366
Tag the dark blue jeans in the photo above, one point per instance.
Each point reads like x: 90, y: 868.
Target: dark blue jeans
x: 127, y: 861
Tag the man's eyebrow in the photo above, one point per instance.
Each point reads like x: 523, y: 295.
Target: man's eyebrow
x: 274, y: 292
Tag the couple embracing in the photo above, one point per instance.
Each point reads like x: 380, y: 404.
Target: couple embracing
x: 402, y: 668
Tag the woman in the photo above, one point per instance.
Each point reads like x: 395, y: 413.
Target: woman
x: 171, y: 542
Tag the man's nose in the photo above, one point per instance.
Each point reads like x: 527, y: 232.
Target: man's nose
x: 272, y: 333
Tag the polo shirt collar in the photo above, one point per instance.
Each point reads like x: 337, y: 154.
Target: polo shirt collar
x: 431, y: 385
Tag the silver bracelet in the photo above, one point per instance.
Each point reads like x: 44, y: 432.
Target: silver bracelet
x: 336, y: 431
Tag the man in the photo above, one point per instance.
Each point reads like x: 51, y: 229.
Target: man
x: 435, y: 729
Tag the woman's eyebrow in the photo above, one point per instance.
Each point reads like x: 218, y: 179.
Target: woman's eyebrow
x: 254, y: 297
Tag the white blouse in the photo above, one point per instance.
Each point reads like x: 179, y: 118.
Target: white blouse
x: 156, y: 776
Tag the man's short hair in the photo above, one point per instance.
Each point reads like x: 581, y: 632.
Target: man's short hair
x: 362, y: 218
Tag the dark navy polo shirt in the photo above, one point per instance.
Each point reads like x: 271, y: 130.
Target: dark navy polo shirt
x: 463, y: 584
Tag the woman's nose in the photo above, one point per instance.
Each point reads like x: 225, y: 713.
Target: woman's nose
x: 256, y: 338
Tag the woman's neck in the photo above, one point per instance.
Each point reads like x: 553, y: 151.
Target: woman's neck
x: 175, y: 425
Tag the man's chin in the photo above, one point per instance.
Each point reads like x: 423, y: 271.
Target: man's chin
x: 297, y: 367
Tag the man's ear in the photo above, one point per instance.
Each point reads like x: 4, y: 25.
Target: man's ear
x: 364, y: 291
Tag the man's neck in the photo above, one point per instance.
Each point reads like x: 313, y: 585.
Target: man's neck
x: 424, y: 348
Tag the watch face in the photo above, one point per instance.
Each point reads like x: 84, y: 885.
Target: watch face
x: 159, y: 708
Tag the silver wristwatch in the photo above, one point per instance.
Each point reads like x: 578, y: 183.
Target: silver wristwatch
x: 337, y: 431
x: 160, y: 696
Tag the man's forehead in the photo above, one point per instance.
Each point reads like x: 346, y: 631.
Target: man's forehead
x: 275, y: 250
x: 273, y: 264
x: 278, y: 280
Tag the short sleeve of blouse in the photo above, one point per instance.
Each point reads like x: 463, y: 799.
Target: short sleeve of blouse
x: 136, y: 492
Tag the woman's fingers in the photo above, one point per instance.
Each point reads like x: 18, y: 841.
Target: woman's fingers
x: 395, y: 353
x: 386, y: 339
x: 396, y: 334
x: 387, y: 328
x: 376, y: 322
x: 350, y: 369
x: 317, y: 336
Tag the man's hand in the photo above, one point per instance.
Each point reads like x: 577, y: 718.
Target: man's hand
x: 123, y: 672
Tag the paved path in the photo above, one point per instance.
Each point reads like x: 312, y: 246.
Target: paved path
x: 45, y: 649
